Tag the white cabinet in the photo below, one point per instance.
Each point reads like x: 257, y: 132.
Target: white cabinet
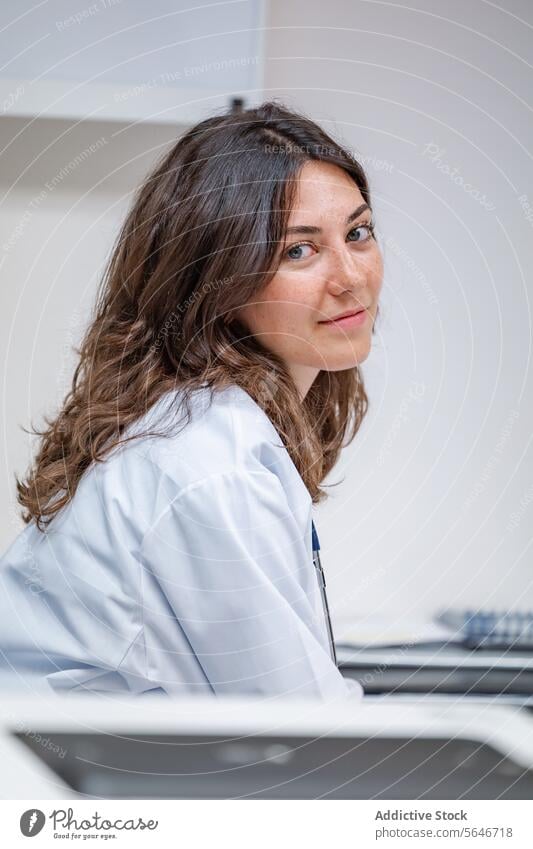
x: 168, y: 61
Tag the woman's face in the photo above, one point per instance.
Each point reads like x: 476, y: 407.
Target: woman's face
x: 330, y: 265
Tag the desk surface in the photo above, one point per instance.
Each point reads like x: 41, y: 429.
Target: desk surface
x: 507, y: 730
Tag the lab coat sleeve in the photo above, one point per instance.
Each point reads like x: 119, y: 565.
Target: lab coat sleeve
x: 234, y: 565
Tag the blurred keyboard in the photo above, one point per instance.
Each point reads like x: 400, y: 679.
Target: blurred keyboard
x: 478, y: 629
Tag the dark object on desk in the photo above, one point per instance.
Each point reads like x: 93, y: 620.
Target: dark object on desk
x: 484, y: 629
x: 437, y: 668
x: 162, y: 766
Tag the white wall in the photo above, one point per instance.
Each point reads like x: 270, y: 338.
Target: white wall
x: 443, y: 461
x: 90, y: 96
x: 55, y: 237
x: 424, y: 517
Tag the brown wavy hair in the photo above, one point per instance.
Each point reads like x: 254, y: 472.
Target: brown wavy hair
x: 199, y: 241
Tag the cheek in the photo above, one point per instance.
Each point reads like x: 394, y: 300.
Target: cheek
x: 285, y: 301
x: 376, y: 276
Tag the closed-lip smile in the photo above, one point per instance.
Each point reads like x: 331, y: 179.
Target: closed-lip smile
x: 344, y: 314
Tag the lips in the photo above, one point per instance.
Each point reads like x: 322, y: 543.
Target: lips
x: 343, y: 315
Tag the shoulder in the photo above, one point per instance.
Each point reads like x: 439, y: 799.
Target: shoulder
x: 227, y: 435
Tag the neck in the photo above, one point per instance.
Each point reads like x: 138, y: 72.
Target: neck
x: 304, y: 377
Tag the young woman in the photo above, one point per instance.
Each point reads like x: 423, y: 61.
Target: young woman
x: 169, y: 539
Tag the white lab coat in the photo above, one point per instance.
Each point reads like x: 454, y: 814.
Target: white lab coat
x: 183, y: 564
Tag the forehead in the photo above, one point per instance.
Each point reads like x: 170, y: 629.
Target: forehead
x: 322, y: 188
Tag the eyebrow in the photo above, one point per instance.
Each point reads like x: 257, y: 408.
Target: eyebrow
x: 307, y: 228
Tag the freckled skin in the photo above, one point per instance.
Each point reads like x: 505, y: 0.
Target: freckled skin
x: 325, y: 274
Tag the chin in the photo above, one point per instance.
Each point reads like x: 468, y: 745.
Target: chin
x: 347, y: 360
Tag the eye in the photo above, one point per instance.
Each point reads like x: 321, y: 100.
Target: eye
x: 297, y: 251
x: 368, y: 227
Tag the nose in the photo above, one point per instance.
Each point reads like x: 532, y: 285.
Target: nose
x: 346, y: 272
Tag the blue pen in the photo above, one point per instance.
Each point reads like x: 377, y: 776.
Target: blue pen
x: 322, y: 585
